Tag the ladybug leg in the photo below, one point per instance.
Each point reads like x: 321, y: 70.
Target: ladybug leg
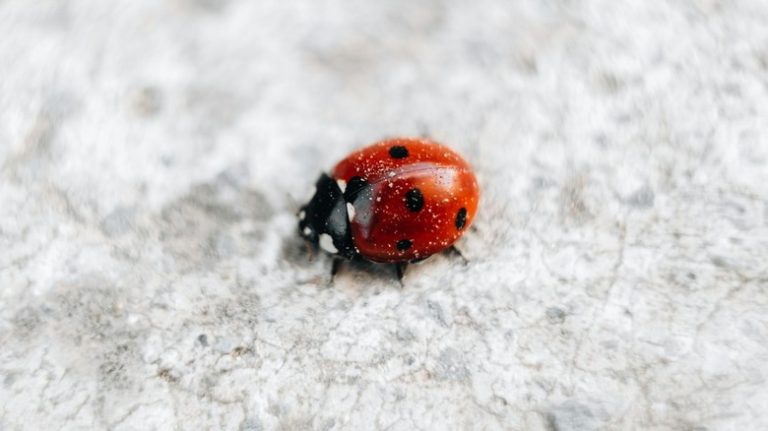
x: 401, y: 267
x: 310, y: 251
x: 453, y: 250
x: 335, y: 266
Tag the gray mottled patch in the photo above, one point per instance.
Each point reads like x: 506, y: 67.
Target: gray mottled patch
x: 222, y: 245
x: 294, y: 251
x: 436, y: 312
x: 251, y: 424
x: 540, y: 182
x: 147, y: 101
x: 213, y: 107
x: 10, y: 378
x: 37, y: 150
x: 405, y: 335
x: 115, y: 368
x: 207, y: 224
x: 26, y: 321
x: 89, y: 308
x: 573, y: 204
x: 295, y: 423
x: 28, y: 162
x: 60, y: 105
x: 92, y: 322
x: 210, y: 6
x: 574, y: 416
x: 610, y: 83
x: 203, y: 340
x: 642, y: 198
x: 168, y: 374
x: 118, y: 222
x: 244, y: 308
x: 555, y: 315
x: 328, y: 424
x: 451, y: 366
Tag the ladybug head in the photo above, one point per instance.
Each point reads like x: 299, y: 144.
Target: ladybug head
x: 323, y: 221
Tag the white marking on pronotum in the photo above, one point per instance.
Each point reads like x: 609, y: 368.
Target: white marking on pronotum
x: 302, y: 215
x: 326, y: 243
x: 312, y: 193
x: 342, y: 185
x: 350, y: 211
x: 307, y: 231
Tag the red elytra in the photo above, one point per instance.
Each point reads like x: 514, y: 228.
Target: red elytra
x: 396, y: 201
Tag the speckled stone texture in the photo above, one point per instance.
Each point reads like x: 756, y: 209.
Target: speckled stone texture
x: 153, y: 154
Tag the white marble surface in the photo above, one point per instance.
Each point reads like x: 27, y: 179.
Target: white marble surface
x: 153, y: 153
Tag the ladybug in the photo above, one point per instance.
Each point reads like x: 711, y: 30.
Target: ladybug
x: 397, y: 201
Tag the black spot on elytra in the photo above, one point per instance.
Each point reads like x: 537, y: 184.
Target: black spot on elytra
x: 414, y: 200
x: 404, y: 244
x: 354, y: 186
x: 461, y: 218
x: 398, y: 152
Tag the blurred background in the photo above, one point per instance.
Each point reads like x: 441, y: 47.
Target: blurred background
x: 153, y: 155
